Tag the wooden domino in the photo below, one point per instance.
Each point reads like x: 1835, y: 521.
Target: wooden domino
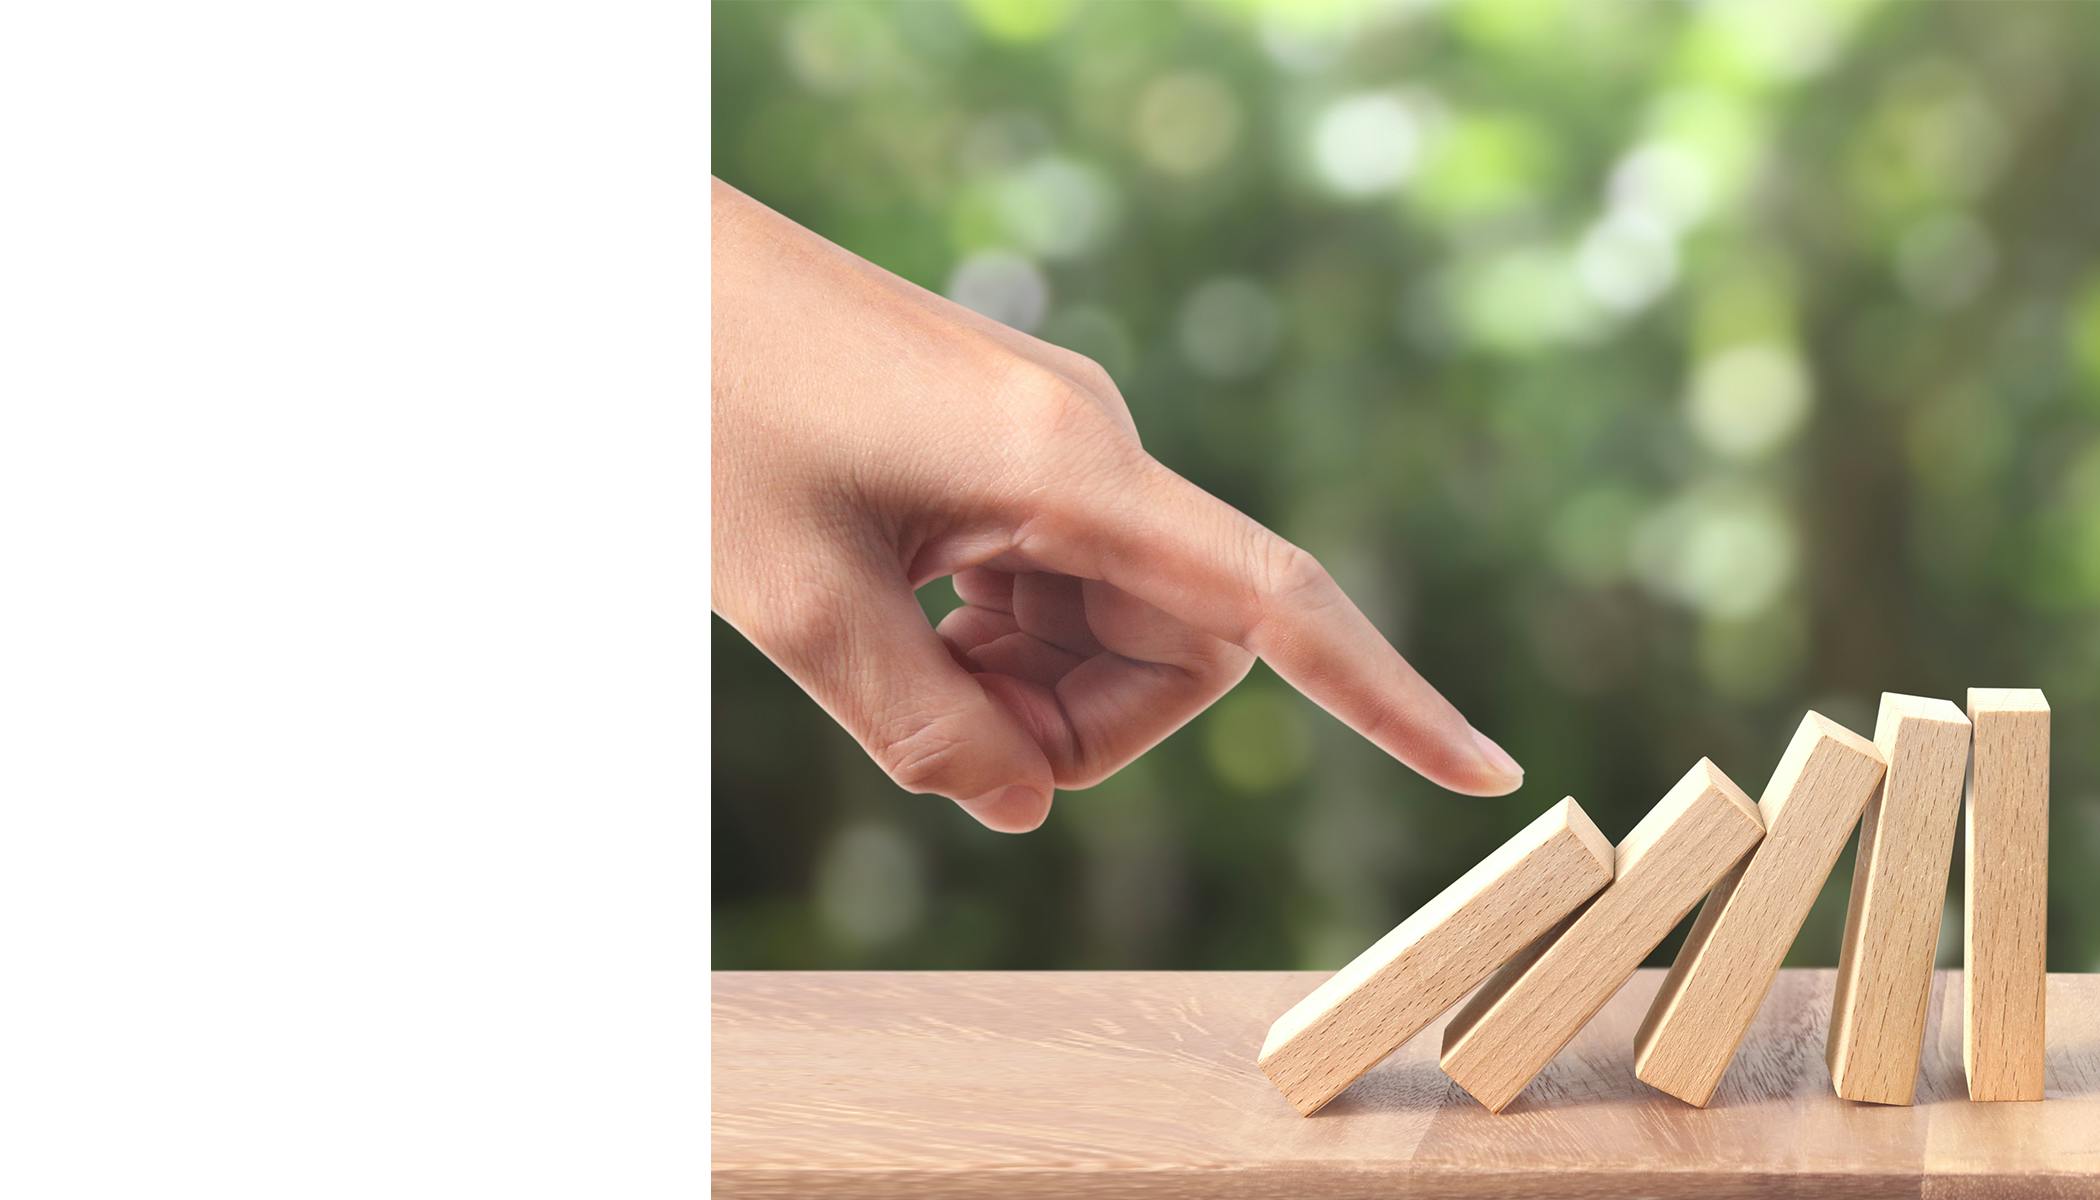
x: 1734, y: 950
x: 2005, y: 895
x: 1391, y: 991
x: 1899, y: 889
x: 1505, y: 1035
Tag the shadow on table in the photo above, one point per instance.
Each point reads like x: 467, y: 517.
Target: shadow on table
x: 1415, y: 1086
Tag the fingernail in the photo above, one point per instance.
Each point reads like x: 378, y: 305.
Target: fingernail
x: 1496, y: 758
x: 1011, y: 810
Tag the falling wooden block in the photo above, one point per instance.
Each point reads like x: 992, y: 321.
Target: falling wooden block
x: 1505, y: 1035
x: 1899, y: 889
x: 2005, y: 896
x: 1733, y: 952
x: 1411, y: 975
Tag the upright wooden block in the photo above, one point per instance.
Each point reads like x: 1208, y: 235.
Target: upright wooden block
x: 1899, y: 888
x: 1514, y: 1025
x: 1410, y: 976
x: 2005, y: 897
x: 1733, y: 952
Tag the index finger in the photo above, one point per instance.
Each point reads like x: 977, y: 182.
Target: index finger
x: 1181, y: 549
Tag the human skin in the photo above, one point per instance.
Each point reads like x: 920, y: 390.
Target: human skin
x: 870, y: 437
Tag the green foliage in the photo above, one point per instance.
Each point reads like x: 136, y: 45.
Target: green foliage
x: 1650, y: 373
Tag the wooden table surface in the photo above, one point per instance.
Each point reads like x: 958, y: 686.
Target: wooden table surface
x: 1144, y: 1084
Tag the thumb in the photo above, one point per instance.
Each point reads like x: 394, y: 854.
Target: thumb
x: 862, y: 648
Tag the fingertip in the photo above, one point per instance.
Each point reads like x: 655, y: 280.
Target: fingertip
x: 1485, y: 787
x: 1499, y: 773
x: 1010, y: 810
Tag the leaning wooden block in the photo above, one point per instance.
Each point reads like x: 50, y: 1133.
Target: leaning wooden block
x: 2005, y: 897
x: 1733, y: 952
x: 1505, y: 1035
x: 1899, y: 889
x: 1411, y: 975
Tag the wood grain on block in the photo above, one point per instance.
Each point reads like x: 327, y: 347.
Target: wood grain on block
x: 2005, y: 895
x: 1899, y: 890
x: 1521, y: 1018
x: 1747, y: 925
x: 1432, y: 959
x: 1120, y: 1084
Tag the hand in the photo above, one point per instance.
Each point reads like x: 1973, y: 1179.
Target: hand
x: 870, y: 437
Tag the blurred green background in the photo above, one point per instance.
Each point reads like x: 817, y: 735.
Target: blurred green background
x: 1650, y: 373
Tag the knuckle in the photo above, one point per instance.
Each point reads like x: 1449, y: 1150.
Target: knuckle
x: 1051, y: 418
x: 1057, y: 446
x: 1092, y: 377
x: 919, y: 753
x: 1290, y: 576
x: 1288, y: 580
x: 1043, y: 403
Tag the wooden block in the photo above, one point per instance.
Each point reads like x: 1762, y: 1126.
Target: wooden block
x: 2005, y: 897
x: 1514, y: 1025
x: 1391, y: 991
x: 1733, y: 952
x: 1899, y: 889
